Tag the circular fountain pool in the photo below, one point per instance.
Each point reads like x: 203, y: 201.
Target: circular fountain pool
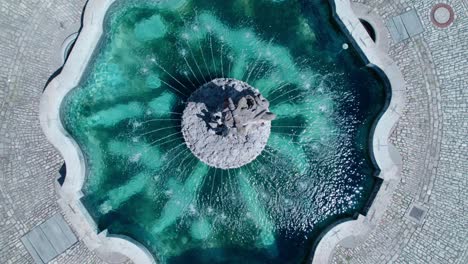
x: 144, y: 180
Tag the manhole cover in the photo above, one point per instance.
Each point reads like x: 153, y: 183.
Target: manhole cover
x: 417, y: 213
x: 442, y: 15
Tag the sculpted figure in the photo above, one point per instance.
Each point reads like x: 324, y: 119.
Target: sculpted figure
x: 240, y: 117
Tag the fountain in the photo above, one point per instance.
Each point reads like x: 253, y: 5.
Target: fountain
x: 174, y: 114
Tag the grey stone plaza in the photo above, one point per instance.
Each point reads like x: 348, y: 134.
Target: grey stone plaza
x: 426, y: 216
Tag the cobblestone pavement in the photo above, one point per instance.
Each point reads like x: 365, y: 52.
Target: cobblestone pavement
x: 31, y: 36
x: 431, y: 136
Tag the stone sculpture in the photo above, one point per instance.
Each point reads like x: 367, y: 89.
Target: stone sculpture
x: 239, y: 118
x: 226, y: 123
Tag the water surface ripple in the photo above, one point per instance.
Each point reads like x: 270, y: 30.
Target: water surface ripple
x: 144, y: 182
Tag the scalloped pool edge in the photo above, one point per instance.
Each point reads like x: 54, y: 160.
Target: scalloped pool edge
x: 386, y: 156
x: 353, y: 231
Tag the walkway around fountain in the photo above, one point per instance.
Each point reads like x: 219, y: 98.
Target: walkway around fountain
x: 386, y: 156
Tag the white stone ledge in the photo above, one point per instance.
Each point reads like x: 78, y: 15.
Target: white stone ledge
x: 70, y: 192
x: 351, y: 233
x: 49, y: 115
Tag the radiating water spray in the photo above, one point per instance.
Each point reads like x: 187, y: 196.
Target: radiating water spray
x: 143, y: 179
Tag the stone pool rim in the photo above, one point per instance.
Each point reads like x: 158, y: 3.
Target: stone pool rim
x: 385, y: 155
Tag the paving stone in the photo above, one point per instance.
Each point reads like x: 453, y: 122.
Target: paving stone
x: 412, y: 23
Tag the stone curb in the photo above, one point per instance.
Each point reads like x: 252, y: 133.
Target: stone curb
x: 350, y: 233
x: 49, y: 115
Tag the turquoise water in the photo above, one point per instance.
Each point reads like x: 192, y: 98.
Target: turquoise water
x: 144, y: 182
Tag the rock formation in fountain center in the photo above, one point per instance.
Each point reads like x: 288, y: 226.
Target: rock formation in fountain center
x: 237, y: 119
x: 226, y: 123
